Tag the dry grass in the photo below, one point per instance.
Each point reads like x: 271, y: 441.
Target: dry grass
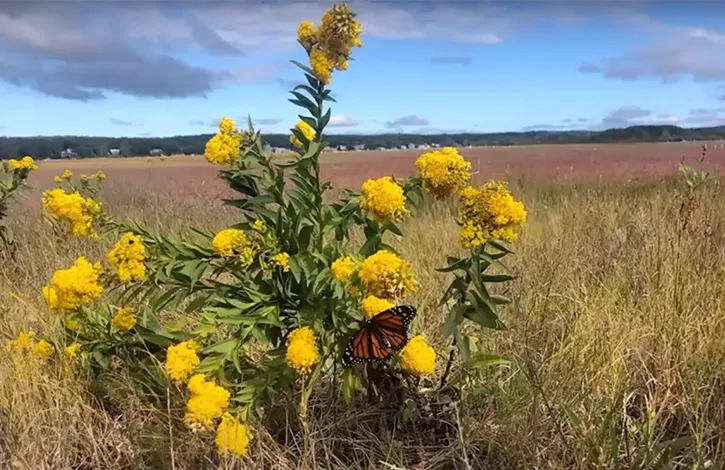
x: 618, y: 319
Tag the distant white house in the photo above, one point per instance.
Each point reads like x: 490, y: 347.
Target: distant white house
x: 114, y: 152
x: 156, y: 152
x: 68, y: 153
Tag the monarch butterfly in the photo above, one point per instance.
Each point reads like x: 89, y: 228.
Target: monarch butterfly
x: 380, y: 336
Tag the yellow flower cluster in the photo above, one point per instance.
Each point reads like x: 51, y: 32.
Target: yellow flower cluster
x: 489, y: 213
x: 321, y: 66
x: 259, y: 227
x: 417, y: 357
x: 73, y: 325
x: 301, y: 350
x: 387, y: 276
x: 42, y: 349
x: 223, y: 147
x: 232, y: 437
x: 26, y: 163
x: 306, y: 130
x: 281, y: 260
x: 342, y: 268
x: 25, y: 343
x: 181, y: 360
x: 231, y: 242
x: 127, y: 257
x: 22, y: 343
x: 330, y: 45
x: 78, y: 211
x: 71, y: 351
x: 443, y: 171
x: 99, y: 175
x: 372, y: 305
x: 383, y: 198
x: 306, y: 34
x: 124, y: 319
x: 73, y: 287
x: 207, y: 402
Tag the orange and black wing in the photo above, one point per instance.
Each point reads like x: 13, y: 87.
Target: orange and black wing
x: 359, y: 348
x: 392, y: 326
x: 382, y: 335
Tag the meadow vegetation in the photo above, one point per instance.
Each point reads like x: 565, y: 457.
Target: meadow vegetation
x: 213, y: 338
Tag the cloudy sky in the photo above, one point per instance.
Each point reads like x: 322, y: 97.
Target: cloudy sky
x: 138, y: 68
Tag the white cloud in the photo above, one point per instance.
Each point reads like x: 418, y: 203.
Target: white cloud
x: 669, y: 53
x: 340, y: 120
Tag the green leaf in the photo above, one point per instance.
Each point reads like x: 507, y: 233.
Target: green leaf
x: 259, y: 335
x: 259, y: 200
x: 303, y: 239
x: 390, y: 248
x: 371, y: 245
x: 496, y: 278
x: 501, y: 246
x: 312, y: 80
x: 197, y: 273
x: 463, y: 342
x: 159, y: 303
x: 480, y: 361
x: 197, y: 303
x: 482, y: 312
x: 304, y: 102
x: 100, y: 359
x: 389, y: 225
x: 312, y: 150
x: 223, y: 347
x: 458, y: 286
x: 303, y: 67
x: 160, y: 340
x: 454, y: 264
x: 211, y: 363
x: 500, y: 299
x: 349, y: 385
x: 572, y: 417
x: 324, y: 119
x: 295, y: 268
x: 453, y: 319
x: 312, y: 91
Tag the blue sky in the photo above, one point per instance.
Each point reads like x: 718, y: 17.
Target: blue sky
x: 168, y: 68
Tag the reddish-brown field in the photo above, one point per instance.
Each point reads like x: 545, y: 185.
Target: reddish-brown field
x: 619, y: 162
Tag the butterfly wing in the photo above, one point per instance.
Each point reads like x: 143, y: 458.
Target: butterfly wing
x: 382, y: 335
x: 359, y: 348
x: 392, y: 326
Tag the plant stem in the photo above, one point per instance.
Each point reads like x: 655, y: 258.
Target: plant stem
x: 308, y: 447
x: 447, y: 371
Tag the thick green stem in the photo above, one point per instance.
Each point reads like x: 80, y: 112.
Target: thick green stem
x: 308, y: 445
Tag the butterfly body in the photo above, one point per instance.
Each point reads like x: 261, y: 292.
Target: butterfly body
x: 379, y: 337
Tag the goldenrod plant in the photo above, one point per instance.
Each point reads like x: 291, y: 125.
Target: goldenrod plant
x: 264, y: 309
x: 13, y: 179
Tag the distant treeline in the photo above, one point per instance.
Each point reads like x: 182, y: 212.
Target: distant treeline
x: 80, y: 146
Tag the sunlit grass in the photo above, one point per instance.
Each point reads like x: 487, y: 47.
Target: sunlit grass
x: 618, y: 308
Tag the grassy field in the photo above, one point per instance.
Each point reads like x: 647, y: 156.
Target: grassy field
x: 616, y: 330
